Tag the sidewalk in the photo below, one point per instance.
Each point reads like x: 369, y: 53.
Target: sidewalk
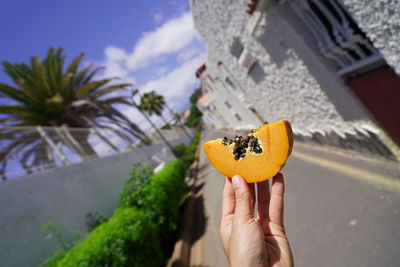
x: 340, y: 209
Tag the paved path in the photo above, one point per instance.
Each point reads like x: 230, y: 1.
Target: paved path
x: 341, y: 209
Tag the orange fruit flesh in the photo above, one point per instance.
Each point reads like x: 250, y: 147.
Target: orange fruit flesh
x: 276, y: 141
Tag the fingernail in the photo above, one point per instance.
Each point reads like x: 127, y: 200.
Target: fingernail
x: 236, y: 181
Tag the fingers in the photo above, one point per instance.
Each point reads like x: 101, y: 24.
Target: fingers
x: 253, y: 198
x: 242, y: 198
x: 263, y: 201
x: 276, y: 202
x: 228, y: 199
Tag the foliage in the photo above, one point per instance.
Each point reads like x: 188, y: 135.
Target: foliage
x: 152, y: 103
x: 53, y: 260
x: 142, y: 227
x: 94, y: 219
x: 195, y: 96
x: 55, y: 232
x: 194, y: 118
x: 46, y: 93
x: 166, y: 127
x: 180, y: 150
x: 189, y: 155
x: 162, y: 195
x: 65, y: 241
x: 129, y: 238
x: 138, y: 178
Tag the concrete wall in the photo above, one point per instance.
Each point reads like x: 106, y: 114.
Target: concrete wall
x: 380, y: 20
x: 64, y: 195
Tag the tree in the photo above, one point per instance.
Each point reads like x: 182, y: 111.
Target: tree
x: 153, y: 103
x: 195, y: 96
x: 143, y: 111
x: 46, y: 93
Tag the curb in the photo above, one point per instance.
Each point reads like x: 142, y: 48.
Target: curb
x: 182, y: 248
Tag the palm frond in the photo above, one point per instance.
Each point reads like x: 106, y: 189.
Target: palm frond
x: 109, y: 89
x: 13, y: 93
x: 86, y: 89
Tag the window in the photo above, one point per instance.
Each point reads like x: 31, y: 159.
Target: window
x: 257, y: 73
x: 238, y: 117
x: 247, y: 60
x: 230, y: 83
x: 228, y: 105
x: 237, y: 48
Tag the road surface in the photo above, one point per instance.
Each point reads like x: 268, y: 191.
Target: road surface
x: 341, y: 209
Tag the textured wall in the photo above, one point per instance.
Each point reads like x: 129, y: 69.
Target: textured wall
x: 299, y: 85
x: 380, y: 20
x: 64, y: 195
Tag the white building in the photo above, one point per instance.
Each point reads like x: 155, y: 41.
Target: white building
x: 327, y: 66
x: 223, y: 103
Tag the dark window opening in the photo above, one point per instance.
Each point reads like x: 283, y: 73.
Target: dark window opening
x: 238, y: 117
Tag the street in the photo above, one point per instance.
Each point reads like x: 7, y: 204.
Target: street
x: 341, y: 209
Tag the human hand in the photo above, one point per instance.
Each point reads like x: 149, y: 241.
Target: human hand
x: 249, y: 241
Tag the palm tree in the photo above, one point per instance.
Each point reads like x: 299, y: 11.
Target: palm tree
x: 134, y: 92
x: 46, y: 93
x: 153, y: 103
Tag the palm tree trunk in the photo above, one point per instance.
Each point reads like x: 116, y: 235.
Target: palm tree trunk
x: 155, y: 128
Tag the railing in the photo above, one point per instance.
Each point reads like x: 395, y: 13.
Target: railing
x: 49, y: 147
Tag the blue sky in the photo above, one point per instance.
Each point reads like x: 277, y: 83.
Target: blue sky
x: 152, y: 44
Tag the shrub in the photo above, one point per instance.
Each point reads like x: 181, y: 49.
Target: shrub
x: 128, y: 238
x: 141, y: 229
x: 188, y: 156
x: 138, y: 178
x: 180, y: 150
x: 162, y: 196
x: 194, y: 118
x: 94, y: 219
x: 54, y: 259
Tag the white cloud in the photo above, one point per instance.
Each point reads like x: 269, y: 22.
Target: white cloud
x: 188, y: 53
x: 174, y: 79
x: 161, y: 70
x: 176, y: 83
x: 171, y: 37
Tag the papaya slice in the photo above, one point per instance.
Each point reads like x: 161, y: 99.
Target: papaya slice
x: 256, y: 157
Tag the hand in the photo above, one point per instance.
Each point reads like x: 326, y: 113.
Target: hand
x: 250, y: 241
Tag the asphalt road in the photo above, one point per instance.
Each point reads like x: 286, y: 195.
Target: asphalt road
x: 341, y: 209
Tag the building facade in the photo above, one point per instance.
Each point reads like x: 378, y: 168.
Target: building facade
x: 327, y: 66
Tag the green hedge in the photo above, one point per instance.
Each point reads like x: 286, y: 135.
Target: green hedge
x: 162, y: 196
x: 129, y: 238
x: 142, y: 227
x: 189, y: 155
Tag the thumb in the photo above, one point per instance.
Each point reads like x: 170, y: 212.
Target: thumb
x: 242, y: 197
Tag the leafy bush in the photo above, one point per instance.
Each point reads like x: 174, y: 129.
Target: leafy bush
x: 180, y: 150
x: 138, y: 178
x: 94, y: 219
x: 162, y: 196
x: 188, y: 156
x: 194, y: 118
x: 142, y: 227
x: 54, y: 259
x: 128, y: 238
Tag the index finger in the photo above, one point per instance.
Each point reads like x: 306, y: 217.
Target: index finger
x: 228, y: 199
x: 276, y: 202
